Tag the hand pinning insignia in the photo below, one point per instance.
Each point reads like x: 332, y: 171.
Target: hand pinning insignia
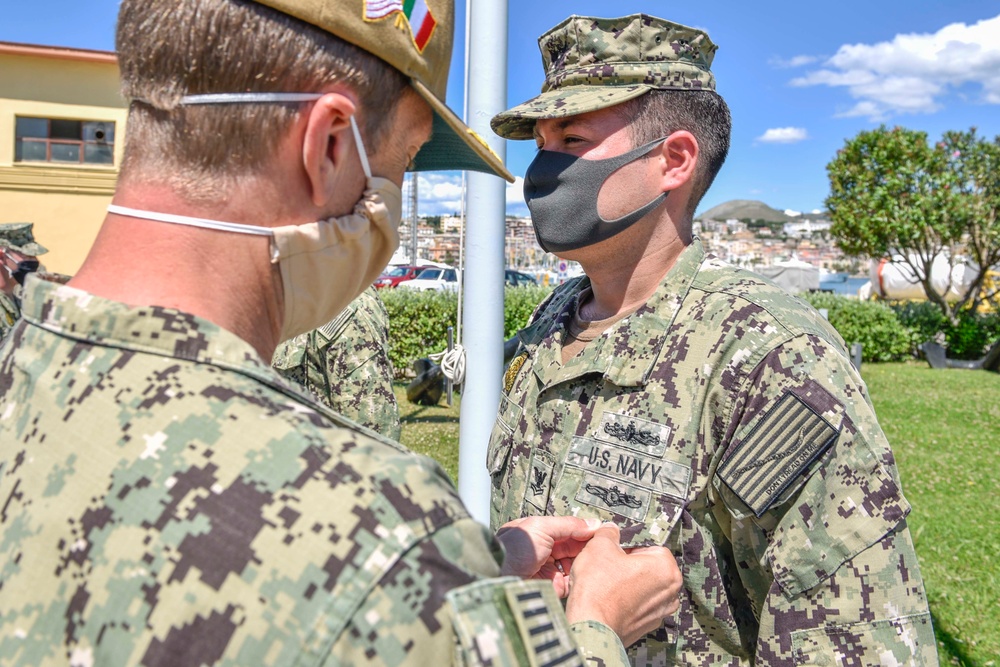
x: 631, y: 434
x: 613, y: 497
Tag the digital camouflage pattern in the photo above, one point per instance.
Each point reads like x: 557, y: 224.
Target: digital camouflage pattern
x: 593, y: 63
x: 19, y: 236
x: 723, y: 420
x: 345, y: 364
x: 168, y: 499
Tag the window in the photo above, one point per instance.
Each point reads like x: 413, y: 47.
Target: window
x: 64, y: 141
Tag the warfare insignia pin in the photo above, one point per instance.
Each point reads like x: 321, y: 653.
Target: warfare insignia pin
x: 631, y: 434
x: 613, y: 497
x: 413, y: 12
x: 512, y: 370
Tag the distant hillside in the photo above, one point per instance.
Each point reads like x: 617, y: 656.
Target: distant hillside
x: 744, y: 209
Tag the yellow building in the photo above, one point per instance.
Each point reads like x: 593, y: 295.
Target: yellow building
x: 62, y: 130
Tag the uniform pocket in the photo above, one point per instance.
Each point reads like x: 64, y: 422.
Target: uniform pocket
x: 644, y: 496
x: 502, y: 438
x: 846, y: 506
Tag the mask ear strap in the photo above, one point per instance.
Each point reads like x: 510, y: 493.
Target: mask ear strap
x: 361, y: 148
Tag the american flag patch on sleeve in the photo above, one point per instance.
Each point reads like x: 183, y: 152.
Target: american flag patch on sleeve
x: 776, y: 453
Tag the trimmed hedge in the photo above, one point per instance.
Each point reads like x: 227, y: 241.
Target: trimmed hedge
x: 873, y: 324
x: 971, y: 338
x: 419, y: 321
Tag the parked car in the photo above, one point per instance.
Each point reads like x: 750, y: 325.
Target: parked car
x: 434, y: 278
x: 517, y: 279
x: 396, y: 275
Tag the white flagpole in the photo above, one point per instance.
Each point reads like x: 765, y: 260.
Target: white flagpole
x: 482, y: 335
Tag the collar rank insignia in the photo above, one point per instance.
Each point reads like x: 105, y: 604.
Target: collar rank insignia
x: 512, y: 370
x: 631, y: 434
x: 536, y: 486
x: 412, y: 12
x: 613, y: 497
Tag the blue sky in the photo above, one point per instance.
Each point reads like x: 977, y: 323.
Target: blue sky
x: 800, y: 77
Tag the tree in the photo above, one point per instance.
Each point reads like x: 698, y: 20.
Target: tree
x: 891, y: 192
x: 976, y: 161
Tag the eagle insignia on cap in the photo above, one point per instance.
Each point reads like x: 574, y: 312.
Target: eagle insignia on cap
x: 413, y: 12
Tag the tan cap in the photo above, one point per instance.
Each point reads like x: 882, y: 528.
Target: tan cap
x: 415, y: 37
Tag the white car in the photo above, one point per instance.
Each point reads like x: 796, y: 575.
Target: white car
x: 433, y: 278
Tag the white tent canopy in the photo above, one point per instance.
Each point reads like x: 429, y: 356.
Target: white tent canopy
x: 793, y: 275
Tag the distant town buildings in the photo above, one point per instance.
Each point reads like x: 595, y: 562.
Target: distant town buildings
x: 745, y: 243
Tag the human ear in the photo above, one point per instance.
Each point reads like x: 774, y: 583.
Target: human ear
x: 679, y: 159
x: 327, y: 145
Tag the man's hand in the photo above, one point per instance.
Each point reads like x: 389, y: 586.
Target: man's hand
x: 543, y: 547
x: 629, y: 592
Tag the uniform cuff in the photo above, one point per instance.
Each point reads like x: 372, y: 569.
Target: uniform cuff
x: 598, y: 644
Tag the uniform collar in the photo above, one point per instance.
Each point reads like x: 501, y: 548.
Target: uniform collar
x: 168, y: 332
x: 627, y: 352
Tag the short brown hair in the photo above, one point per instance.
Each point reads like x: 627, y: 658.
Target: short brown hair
x: 171, y: 48
x: 703, y: 113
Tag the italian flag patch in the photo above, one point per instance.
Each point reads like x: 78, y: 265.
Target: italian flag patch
x: 420, y: 19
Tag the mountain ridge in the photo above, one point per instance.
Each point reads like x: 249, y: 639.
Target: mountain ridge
x: 744, y: 209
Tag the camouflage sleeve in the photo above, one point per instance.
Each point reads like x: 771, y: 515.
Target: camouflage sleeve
x: 811, y: 499
x: 345, y: 364
x: 358, y: 370
x: 445, y: 597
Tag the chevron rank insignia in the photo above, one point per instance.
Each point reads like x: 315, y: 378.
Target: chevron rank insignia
x: 776, y: 453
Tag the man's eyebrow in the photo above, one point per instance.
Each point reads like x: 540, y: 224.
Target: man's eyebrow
x: 561, y: 125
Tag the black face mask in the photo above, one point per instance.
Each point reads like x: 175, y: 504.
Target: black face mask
x: 23, y: 268
x: 561, y: 191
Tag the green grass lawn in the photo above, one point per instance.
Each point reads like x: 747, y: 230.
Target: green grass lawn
x: 944, y: 427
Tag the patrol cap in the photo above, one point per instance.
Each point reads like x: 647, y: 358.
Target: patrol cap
x: 415, y: 37
x: 18, y: 237
x: 593, y: 63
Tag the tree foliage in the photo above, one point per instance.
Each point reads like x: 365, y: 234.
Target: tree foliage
x: 892, y: 193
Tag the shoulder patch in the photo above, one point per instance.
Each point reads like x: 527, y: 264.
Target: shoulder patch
x: 779, y: 449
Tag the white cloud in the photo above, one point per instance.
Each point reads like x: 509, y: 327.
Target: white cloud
x: 515, y: 198
x: 912, y: 73
x: 441, y: 194
x: 795, y: 61
x: 515, y: 191
x: 783, y: 135
x: 792, y: 213
x: 437, y: 194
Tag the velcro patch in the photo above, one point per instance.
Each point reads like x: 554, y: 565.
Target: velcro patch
x: 776, y: 452
x: 544, y: 630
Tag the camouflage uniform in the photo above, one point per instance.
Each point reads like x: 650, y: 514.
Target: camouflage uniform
x: 723, y: 420
x: 16, y: 236
x: 167, y: 499
x: 345, y: 364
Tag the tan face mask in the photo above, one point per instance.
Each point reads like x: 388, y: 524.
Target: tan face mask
x: 326, y: 264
